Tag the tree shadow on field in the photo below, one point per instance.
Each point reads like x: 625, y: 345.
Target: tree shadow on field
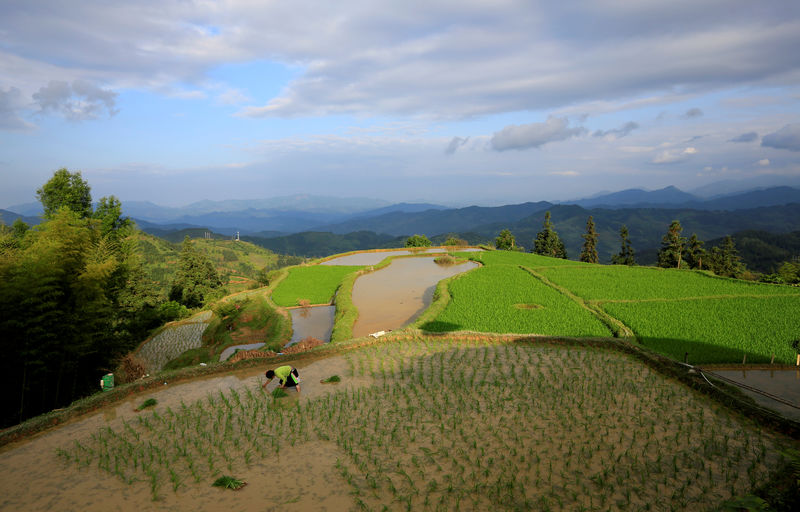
x: 700, y: 352
x: 439, y: 326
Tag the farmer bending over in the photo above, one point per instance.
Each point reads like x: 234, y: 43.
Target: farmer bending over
x: 287, y: 376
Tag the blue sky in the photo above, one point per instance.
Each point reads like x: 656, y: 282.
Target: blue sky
x: 467, y: 102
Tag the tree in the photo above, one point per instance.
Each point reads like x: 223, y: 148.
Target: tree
x: 789, y: 271
x: 109, y: 213
x: 547, y: 242
x: 672, y: 245
x: 695, y: 253
x: 589, y: 250
x: 505, y: 241
x: 626, y: 255
x: 453, y: 240
x: 418, y: 241
x: 196, y: 277
x: 725, y: 259
x: 66, y: 190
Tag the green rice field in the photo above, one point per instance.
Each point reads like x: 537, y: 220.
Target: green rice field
x: 507, y: 299
x: 450, y: 425
x: 315, y: 283
x: 675, y: 312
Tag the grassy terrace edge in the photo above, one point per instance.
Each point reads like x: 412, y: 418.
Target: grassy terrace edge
x: 720, y: 392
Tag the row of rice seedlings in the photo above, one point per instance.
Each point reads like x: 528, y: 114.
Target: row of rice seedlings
x: 521, y: 426
x: 220, y: 433
x: 467, y: 424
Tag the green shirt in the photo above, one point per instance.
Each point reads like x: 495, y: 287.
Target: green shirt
x: 283, y: 372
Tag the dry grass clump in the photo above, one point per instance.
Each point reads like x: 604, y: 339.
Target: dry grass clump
x: 130, y: 368
x: 445, y: 259
x: 251, y: 354
x: 303, y: 345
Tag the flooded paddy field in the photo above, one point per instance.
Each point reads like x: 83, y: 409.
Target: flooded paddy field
x: 431, y: 424
x: 783, y: 384
x: 315, y: 322
x: 394, y: 296
x: 373, y: 258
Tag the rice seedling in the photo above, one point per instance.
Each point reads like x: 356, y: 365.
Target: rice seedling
x: 229, y: 482
x: 465, y: 424
x: 150, y: 402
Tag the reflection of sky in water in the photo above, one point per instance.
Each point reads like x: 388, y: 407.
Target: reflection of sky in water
x: 373, y: 258
x: 316, y: 322
x: 781, y: 383
x: 393, y: 296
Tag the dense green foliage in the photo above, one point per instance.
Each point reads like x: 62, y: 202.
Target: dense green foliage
x: 315, y: 283
x: 672, y: 246
x: 725, y: 260
x: 505, y: 241
x: 418, y: 241
x: 547, y: 242
x: 314, y: 244
x: 695, y: 253
x: 73, y: 300
x: 589, y: 250
x: 507, y: 299
x: 626, y: 254
x: 66, y: 190
x: 196, y: 278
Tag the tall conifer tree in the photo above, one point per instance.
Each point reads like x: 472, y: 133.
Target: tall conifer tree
x: 547, y: 242
x: 589, y: 251
x: 672, y: 246
x: 626, y: 255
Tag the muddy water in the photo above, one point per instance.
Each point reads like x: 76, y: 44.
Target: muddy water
x: 228, y: 352
x: 316, y: 322
x: 33, y: 478
x: 392, y: 297
x: 373, y: 258
x: 782, y: 383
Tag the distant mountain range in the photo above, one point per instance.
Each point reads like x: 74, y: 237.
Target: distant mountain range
x: 331, y: 225
x: 8, y: 218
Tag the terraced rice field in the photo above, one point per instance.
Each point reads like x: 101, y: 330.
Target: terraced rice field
x: 173, y: 341
x: 675, y: 312
x: 315, y: 283
x: 446, y: 425
x: 507, y: 299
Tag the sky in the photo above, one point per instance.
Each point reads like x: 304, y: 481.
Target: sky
x: 451, y: 102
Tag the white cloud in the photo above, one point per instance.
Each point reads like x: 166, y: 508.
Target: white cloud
x: 78, y: 101
x: 534, y: 135
x: 455, y: 143
x: 11, y: 103
x: 671, y: 156
x: 763, y: 162
x: 439, y: 59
